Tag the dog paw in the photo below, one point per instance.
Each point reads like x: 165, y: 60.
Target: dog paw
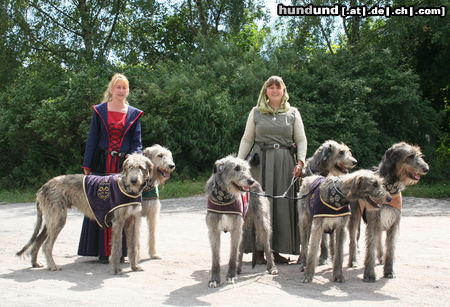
x: 116, y: 271
x: 307, y: 279
x: 37, y: 265
x: 155, y: 257
x: 137, y: 268
x: 389, y: 275
x: 231, y: 280
x: 54, y: 268
x: 273, y: 271
x: 352, y: 264
x: 339, y: 279
x: 322, y: 261
x: 213, y: 284
x: 369, y: 278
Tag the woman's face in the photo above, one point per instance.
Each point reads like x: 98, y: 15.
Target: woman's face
x: 275, y: 93
x: 120, y: 91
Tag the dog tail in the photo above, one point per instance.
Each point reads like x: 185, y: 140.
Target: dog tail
x: 37, y: 227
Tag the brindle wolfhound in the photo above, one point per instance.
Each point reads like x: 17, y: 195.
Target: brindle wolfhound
x: 325, y: 208
x: 334, y: 159
x: 231, y: 176
x: 401, y: 166
x: 163, y: 165
x: 67, y: 191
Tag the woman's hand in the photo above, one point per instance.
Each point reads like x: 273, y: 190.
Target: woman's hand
x: 297, y: 169
x: 86, y: 171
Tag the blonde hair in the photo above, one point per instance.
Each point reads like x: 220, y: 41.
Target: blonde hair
x: 117, y: 77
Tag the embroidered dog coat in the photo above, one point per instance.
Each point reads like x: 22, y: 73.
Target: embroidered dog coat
x: 152, y: 194
x: 236, y: 206
x: 104, y: 195
x: 319, y: 208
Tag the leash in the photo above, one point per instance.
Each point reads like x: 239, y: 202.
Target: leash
x: 284, y: 195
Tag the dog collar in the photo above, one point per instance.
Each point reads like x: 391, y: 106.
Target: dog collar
x: 221, y: 196
x: 392, y: 188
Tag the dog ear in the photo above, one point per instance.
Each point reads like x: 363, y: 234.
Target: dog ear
x: 326, y: 152
x: 389, y: 162
x: 218, y: 167
x: 356, y: 184
x: 149, y: 167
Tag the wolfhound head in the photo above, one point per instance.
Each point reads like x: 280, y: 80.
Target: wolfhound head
x: 137, y: 169
x: 232, y: 175
x: 331, y: 158
x: 366, y: 185
x: 162, y: 161
x: 403, y: 164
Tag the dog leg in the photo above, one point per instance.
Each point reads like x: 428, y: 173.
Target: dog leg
x: 214, y: 240
x: 391, y: 237
x: 379, y: 247
x: 338, y: 257
x: 116, y: 244
x: 369, y: 262
x: 316, y: 235
x: 132, y: 227
x: 236, y: 237
x: 324, y: 249
x: 152, y: 223
x: 263, y: 231
x: 54, y: 225
x: 36, y: 246
x: 305, y: 232
x: 353, y: 230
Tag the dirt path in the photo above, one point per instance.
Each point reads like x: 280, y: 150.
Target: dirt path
x: 180, y: 278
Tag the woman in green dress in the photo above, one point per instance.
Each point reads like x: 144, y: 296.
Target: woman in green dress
x: 272, y: 127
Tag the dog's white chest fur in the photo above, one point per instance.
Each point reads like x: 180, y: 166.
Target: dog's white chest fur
x: 388, y: 216
x: 227, y: 222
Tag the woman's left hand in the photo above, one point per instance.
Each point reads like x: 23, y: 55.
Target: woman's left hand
x: 297, y: 170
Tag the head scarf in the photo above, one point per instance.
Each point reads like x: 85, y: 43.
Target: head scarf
x: 263, y: 104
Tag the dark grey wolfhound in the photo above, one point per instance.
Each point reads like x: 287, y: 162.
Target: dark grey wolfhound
x: 331, y: 158
x: 402, y: 165
x: 61, y: 193
x: 326, y: 209
x: 227, y: 213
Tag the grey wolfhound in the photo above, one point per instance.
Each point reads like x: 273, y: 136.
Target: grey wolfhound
x: 323, y: 206
x: 88, y: 194
x: 163, y: 166
x: 227, y: 213
x: 331, y: 158
x: 401, y: 166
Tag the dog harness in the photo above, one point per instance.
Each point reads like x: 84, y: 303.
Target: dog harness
x: 337, y: 206
x: 104, y: 195
x: 236, y: 206
x: 150, y: 194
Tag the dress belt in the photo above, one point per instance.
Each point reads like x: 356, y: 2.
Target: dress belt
x: 263, y: 146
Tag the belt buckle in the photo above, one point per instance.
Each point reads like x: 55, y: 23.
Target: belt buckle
x: 276, y: 146
x: 114, y: 153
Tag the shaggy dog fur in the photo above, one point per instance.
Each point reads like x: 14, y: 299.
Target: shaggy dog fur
x: 231, y: 176
x: 163, y: 166
x: 61, y: 193
x: 401, y: 166
x: 358, y: 185
x: 331, y: 158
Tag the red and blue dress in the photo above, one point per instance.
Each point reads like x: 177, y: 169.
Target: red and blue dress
x: 109, y: 132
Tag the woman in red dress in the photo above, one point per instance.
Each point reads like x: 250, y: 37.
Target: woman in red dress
x: 115, y: 132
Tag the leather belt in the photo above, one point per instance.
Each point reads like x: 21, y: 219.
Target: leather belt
x: 273, y: 146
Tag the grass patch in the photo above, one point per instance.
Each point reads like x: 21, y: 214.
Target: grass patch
x: 436, y: 190
x: 189, y: 187
x: 173, y: 189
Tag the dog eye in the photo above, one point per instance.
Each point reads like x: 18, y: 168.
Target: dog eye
x: 237, y: 168
x: 341, y: 152
x: 411, y: 157
x: 160, y: 155
x: 375, y: 184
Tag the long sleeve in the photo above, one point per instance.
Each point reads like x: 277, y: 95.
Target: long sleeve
x: 300, y: 137
x: 248, y: 138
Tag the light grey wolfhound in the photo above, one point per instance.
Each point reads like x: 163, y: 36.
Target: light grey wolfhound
x: 402, y: 165
x: 67, y: 191
x: 331, y: 158
x: 163, y: 166
x: 325, y: 208
x: 227, y: 213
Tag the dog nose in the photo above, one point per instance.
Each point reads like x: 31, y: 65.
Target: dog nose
x: 172, y: 166
x: 251, y: 181
x: 355, y: 162
x: 388, y: 199
x: 426, y: 170
x: 133, y: 180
